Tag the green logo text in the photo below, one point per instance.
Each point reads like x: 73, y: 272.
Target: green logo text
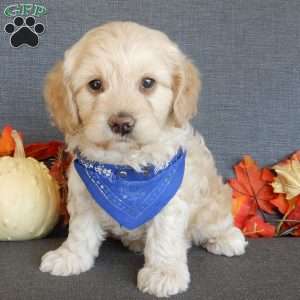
x: 36, y: 10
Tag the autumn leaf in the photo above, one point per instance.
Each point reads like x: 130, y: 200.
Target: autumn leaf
x: 257, y: 227
x: 7, y: 144
x: 242, y: 208
x: 295, y: 213
x: 288, y: 179
x: 59, y: 171
x: 43, y: 151
x: 281, y: 203
x: 296, y: 231
x: 254, y: 183
x: 257, y: 190
x: 284, y: 206
x: 291, y: 221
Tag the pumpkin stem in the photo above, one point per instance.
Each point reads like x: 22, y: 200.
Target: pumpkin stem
x: 19, y: 149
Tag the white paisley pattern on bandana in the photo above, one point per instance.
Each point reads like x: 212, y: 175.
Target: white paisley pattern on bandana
x: 131, y: 198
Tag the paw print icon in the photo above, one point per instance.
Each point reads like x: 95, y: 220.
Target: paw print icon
x: 24, y: 32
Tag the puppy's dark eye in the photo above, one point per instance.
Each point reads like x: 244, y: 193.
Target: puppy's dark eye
x: 96, y: 85
x: 147, y: 83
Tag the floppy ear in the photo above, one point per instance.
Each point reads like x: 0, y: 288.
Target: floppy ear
x: 186, y: 89
x: 59, y: 100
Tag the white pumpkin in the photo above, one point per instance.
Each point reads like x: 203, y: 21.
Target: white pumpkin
x: 29, y: 197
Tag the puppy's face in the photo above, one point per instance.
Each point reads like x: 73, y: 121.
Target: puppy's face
x: 122, y: 83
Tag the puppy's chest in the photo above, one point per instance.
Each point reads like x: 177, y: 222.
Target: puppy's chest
x: 113, y: 228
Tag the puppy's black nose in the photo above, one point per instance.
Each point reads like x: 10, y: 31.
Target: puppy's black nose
x: 121, y: 123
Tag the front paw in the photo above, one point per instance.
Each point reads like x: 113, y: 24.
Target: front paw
x: 230, y: 243
x: 164, y: 281
x: 64, y: 262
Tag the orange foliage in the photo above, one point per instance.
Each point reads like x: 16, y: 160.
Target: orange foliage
x: 253, y: 183
x: 42, y: 151
x: 257, y: 227
x: 254, y: 198
x: 7, y: 144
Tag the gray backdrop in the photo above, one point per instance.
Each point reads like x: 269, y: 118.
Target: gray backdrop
x: 248, y: 53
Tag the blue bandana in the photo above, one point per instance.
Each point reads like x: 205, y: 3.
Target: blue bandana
x: 131, y: 198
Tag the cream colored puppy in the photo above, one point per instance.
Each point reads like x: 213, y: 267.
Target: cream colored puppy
x: 124, y: 95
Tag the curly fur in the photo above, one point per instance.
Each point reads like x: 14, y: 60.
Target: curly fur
x: 120, y: 54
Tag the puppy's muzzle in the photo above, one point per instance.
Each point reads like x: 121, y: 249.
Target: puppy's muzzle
x: 122, y: 123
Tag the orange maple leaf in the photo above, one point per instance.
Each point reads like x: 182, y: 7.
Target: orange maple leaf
x: 254, y: 183
x: 257, y: 227
x: 292, y: 218
x: 7, y: 144
x: 43, y: 151
x: 281, y: 203
x: 242, y: 209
